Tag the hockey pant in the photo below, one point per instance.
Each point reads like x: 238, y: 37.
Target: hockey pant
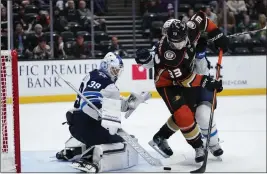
x: 181, y: 103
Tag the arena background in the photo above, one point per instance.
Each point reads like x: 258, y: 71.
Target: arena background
x: 75, y: 35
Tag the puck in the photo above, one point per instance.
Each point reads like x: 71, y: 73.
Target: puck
x: 167, y: 168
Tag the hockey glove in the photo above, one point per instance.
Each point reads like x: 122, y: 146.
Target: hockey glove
x: 133, y: 101
x: 211, y: 84
x: 143, y: 56
x: 219, y: 39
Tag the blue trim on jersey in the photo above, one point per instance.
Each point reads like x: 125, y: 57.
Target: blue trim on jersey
x: 92, y: 96
x: 92, y: 93
x: 201, y: 55
x: 93, y: 100
x: 211, y: 135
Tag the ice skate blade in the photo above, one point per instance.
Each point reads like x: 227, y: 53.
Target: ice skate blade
x: 219, y: 158
x: 155, y: 147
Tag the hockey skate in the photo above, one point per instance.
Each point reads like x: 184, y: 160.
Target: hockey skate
x: 216, y: 150
x: 200, y: 154
x: 65, y: 154
x: 161, y: 146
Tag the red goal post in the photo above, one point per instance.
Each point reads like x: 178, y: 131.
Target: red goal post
x: 9, y: 111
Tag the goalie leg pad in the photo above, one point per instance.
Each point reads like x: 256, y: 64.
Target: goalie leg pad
x: 202, y: 117
x: 107, y: 157
x: 116, y: 157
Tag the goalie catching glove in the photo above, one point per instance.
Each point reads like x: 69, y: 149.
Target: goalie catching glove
x: 133, y: 101
x: 113, y: 105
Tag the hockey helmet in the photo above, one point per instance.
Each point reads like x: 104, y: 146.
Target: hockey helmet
x: 167, y: 25
x: 177, y: 34
x: 112, y: 65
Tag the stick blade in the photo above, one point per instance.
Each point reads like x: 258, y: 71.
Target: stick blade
x: 202, y: 169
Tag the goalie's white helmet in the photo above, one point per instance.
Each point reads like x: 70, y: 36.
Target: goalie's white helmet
x: 112, y: 65
x: 166, y: 25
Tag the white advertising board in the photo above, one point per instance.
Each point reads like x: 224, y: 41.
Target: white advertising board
x: 39, y: 78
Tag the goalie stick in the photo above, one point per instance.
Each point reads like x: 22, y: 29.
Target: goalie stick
x: 202, y: 169
x: 134, y: 144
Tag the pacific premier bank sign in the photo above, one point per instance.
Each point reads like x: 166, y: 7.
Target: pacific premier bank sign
x: 35, y: 76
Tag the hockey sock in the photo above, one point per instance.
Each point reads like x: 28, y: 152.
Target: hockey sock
x: 168, y: 129
x: 184, y: 118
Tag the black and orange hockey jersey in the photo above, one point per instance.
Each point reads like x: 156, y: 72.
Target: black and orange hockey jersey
x: 175, y: 67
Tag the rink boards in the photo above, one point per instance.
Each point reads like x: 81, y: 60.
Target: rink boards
x: 38, y: 81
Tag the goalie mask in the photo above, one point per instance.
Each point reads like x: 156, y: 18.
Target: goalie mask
x: 177, y: 35
x: 112, y: 65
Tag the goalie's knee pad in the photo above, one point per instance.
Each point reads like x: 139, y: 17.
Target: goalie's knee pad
x: 110, y: 157
x: 203, y: 117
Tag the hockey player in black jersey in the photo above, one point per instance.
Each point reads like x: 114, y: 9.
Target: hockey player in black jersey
x: 173, y: 61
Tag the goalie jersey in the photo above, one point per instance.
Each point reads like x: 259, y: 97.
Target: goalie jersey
x: 90, y: 87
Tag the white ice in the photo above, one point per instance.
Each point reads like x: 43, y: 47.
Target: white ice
x: 241, y: 122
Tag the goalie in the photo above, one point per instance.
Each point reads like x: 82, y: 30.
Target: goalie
x: 94, y: 145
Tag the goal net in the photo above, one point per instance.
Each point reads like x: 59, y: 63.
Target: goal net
x: 9, y: 111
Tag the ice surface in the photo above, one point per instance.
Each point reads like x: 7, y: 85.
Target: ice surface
x: 241, y: 122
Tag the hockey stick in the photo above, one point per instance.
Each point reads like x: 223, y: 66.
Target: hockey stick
x: 238, y: 34
x: 202, y: 169
x: 133, y: 143
x: 247, y: 32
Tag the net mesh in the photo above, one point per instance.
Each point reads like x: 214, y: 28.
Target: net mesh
x: 8, y: 163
